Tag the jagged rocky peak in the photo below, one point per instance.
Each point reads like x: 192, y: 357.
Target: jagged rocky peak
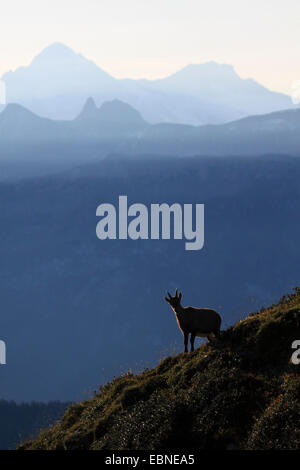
x: 89, y: 109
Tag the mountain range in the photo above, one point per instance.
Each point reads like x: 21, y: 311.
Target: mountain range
x: 33, y: 145
x: 58, y: 81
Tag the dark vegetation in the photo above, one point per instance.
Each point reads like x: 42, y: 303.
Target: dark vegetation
x: 239, y: 393
x: 25, y: 420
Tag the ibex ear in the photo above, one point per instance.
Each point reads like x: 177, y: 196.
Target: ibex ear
x: 167, y: 300
x: 180, y: 295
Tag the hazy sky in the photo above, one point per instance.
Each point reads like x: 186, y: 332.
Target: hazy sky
x: 153, y: 38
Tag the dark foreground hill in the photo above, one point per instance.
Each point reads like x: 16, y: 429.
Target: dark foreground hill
x: 240, y: 393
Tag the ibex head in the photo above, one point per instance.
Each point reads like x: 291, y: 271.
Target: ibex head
x: 174, y: 301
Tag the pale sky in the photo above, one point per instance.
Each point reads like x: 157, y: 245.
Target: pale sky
x: 154, y: 38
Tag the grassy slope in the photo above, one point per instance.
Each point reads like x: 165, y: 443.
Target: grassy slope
x: 242, y: 392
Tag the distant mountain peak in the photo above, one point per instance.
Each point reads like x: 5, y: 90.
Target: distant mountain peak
x: 117, y: 105
x: 15, y: 111
x: 55, y: 51
x: 117, y: 110
x: 89, y: 109
x: 57, y: 46
x: 58, y: 76
x: 210, y: 64
x: 110, y: 111
x: 206, y: 69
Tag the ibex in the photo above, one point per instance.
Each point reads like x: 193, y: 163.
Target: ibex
x: 203, y: 322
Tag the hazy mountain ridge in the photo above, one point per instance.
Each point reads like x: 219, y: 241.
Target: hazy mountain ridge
x: 58, y: 81
x: 276, y: 132
x: 57, y: 67
x: 117, y: 128
x: 19, y: 125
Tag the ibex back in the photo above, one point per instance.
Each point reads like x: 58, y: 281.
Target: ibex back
x: 203, y: 322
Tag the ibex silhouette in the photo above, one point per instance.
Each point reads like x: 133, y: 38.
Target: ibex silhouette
x: 203, y: 322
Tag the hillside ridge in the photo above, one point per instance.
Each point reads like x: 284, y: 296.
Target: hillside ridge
x: 241, y: 392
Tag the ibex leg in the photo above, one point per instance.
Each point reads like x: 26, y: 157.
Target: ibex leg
x: 192, y: 341
x: 186, y: 340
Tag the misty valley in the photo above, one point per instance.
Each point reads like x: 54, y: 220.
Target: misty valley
x: 57, y: 275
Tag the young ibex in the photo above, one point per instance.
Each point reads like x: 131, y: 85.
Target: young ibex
x: 204, y: 322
